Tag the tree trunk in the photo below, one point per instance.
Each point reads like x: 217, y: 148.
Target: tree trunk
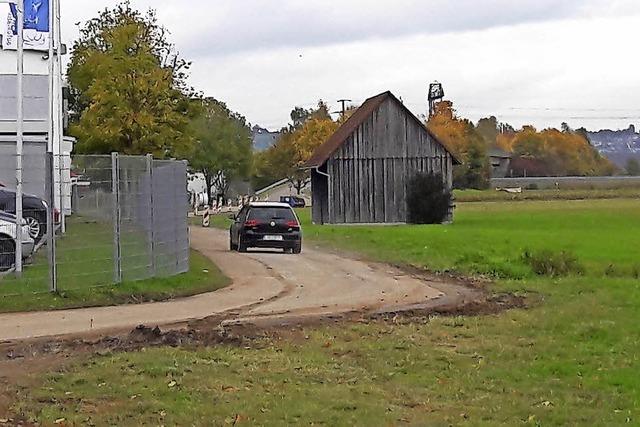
x: 208, y: 183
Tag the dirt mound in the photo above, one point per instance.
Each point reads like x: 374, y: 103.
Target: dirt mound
x: 236, y: 331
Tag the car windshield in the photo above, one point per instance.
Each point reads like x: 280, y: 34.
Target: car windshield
x: 268, y: 214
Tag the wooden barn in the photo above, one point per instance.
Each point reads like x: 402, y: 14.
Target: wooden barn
x: 359, y: 175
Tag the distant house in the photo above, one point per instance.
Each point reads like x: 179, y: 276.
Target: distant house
x: 361, y: 173
x: 264, y: 139
x: 500, y: 162
x: 523, y: 167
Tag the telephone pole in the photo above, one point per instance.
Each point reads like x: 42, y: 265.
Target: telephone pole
x: 19, y: 9
x: 344, y: 106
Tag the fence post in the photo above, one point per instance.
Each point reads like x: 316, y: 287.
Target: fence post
x: 51, y: 232
x: 115, y: 192
x: 152, y: 224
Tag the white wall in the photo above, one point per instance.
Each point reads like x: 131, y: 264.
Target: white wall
x: 33, y: 62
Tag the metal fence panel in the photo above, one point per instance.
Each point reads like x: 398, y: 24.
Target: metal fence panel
x: 127, y: 222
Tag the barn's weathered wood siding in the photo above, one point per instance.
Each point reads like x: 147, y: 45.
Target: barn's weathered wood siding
x: 370, y: 171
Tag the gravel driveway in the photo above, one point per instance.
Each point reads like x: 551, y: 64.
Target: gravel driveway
x: 265, y: 285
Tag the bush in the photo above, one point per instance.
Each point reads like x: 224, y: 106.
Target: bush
x: 428, y: 199
x: 555, y: 264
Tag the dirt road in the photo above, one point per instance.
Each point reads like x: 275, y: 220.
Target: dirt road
x: 265, y: 285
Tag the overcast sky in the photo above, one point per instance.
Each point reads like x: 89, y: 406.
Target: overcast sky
x: 526, y: 61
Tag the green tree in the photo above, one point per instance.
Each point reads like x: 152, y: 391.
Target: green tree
x: 463, y: 139
x: 284, y: 160
x: 222, y: 150
x: 475, y: 172
x: 299, y: 115
x: 488, y: 128
x: 633, y: 167
x: 128, y: 84
x: 288, y: 156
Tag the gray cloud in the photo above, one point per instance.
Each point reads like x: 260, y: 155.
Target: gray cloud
x: 256, y: 25
x: 222, y: 27
x: 246, y: 52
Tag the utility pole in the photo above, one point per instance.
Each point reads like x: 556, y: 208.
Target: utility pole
x: 56, y: 31
x: 344, y: 107
x: 50, y: 164
x: 19, y: 133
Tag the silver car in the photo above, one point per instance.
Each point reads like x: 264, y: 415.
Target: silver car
x: 8, y: 236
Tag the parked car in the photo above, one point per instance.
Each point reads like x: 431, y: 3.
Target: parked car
x: 8, y: 236
x: 34, y: 211
x: 293, y: 201
x: 266, y: 225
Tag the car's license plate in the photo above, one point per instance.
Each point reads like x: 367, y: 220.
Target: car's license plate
x: 273, y: 238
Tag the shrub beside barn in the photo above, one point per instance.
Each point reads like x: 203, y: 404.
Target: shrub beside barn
x: 361, y: 173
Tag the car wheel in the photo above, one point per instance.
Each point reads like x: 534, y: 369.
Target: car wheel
x: 232, y: 247
x: 37, y: 226
x: 241, y: 246
x: 297, y: 248
x: 7, y: 253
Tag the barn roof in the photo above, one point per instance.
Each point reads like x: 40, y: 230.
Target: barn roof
x: 335, y: 141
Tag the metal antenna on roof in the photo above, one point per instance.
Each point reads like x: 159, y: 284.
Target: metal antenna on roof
x: 436, y: 93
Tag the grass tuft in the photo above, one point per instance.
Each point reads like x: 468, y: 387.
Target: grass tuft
x: 553, y: 264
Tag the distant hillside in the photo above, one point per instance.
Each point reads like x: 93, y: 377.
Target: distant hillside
x: 619, y: 146
x: 263, y: 139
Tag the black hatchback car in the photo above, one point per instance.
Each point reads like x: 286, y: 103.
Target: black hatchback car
x: 266, y: 225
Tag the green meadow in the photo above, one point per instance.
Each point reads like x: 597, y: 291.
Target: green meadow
x: 571, y: 358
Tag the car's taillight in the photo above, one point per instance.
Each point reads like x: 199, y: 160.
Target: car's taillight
x: 251, y: 223
x: 292, y: 224
x: 56, y: 216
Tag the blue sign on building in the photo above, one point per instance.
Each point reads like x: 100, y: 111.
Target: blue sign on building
x: 36, y: 16
x: 36, y: 26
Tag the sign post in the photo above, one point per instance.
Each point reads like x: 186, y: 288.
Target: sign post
x: 206, y: 218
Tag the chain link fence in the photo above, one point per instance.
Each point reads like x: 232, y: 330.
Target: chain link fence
x: 102, y: 220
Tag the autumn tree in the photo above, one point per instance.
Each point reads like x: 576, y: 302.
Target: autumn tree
x: 299, y: 115
x: 463, y: 140
x: 128, y: 85
x: 222, y: 148
x: 285, y: 159
x: 488, y: 129
x: 633, y: 167
x: 554, y: 152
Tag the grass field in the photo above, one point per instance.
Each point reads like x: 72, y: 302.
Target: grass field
x: 85, y: 274
x: 562, y: 194
x: 571, y: 359
x: 491, y: 238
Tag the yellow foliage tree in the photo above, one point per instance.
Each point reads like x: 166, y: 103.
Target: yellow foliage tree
x: 462, y: 139
x: 558, y: 153
x: 287, y: 157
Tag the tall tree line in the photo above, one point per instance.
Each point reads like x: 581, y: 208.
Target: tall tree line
x: 129, y: 94
x: 550, y: 152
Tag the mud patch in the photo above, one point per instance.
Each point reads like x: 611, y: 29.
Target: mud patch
x: 23, y: 363
x: 235, y: 330
x: 491, y: 305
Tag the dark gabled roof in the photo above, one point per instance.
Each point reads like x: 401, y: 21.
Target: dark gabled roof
x: 335, y: 141
x: 499, y: 153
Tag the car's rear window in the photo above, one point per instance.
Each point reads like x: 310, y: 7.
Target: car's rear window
x: 268, y: 214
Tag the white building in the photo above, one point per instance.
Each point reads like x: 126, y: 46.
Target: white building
x: 36, y: 122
